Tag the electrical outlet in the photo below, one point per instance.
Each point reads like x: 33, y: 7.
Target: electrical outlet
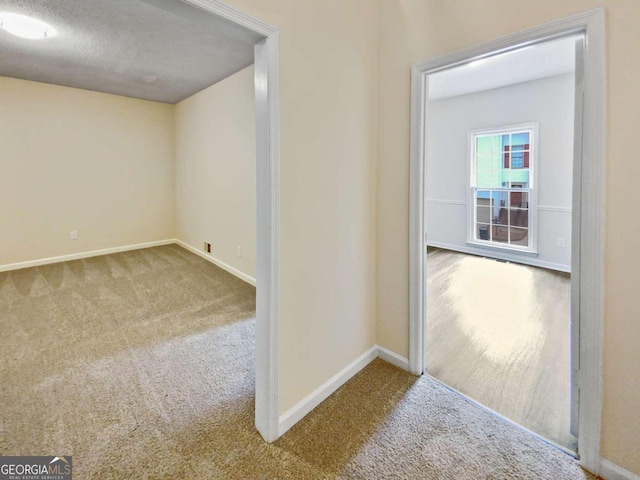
x: 561, y: 243
x: 207, y: 247
x: 73, y: 235
x: 239, y: 251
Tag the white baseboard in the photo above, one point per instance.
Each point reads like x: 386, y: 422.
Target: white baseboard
x: 319, y: 395
x: 515, y: 258
x: 393, y: 358
x: 78, y: 256
x: 315, y: 398
x: 217, y: 262
x: 608, y: 469
x: 613, y: 471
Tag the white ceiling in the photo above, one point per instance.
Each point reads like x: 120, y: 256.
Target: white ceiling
x: 161, y: 50
x: 530, y: 63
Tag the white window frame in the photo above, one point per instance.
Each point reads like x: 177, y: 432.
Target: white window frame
x: 532, y: 249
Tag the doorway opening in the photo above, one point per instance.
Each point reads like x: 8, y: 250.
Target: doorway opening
x: 267, y: 125
x: 498, y: 187
x: 478, y: 277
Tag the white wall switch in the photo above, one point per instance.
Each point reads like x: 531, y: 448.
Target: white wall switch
x: 73, y: 235
x: 240, y: 251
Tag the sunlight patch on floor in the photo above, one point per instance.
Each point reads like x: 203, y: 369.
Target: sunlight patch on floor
x: 493, y: 301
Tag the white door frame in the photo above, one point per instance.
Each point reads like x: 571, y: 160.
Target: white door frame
x: 267, y: 98
x: 588, y: 209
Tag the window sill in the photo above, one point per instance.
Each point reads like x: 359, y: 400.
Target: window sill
x: 497, y: 248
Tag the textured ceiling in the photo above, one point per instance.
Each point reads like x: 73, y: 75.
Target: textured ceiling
x: 531, y: 63
x: 161, y: 50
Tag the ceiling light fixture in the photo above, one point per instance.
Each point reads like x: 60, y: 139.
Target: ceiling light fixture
x: 25, y: 27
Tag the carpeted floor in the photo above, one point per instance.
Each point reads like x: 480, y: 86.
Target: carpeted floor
x: 141, y: 365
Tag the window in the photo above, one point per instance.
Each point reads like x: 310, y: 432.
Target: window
x: 502, y: 165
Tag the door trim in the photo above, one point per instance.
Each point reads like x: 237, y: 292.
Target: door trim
x: 267, y: 100
x: 591, y: 215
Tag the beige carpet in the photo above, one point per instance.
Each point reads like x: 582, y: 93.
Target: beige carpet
x: 141, y: 365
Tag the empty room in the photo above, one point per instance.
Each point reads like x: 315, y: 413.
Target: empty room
x: 500, y: 139
x: 128, y: 251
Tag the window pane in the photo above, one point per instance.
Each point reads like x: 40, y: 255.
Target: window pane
x: 483, y: 214
x: 483, y: 161
x: 499, y: 199
x: 496, y: 143
x: 503, y: 187
x: 499, y: 207
x: 520, y: 236
x: 482, y: 197
x: 484, y: 167
x: 519, y: 199
x: 505, y: 178
x: 496, y: 181
x: 482, y: 231
x: 500, y: 234
x: 506, y: 143
x: 520, y: 178
x: 520, y: 141
x: 483, y: 144
x: 519, y: 217
x: 483, y: 179
x: 517, y: 159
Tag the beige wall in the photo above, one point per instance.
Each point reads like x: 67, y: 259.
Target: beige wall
x: 73, y: 159
x: 345, y: 143
x: 328, y: 59
x: 415, y: 30
x: 216, y: 171
x: 329, y: 97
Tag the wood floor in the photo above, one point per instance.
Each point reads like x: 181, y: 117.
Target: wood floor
x: 500, y: 334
